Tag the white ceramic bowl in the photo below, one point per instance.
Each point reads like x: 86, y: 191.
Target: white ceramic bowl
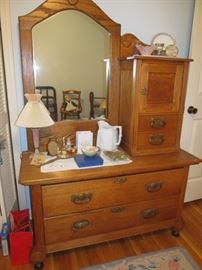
x: 90, y: 151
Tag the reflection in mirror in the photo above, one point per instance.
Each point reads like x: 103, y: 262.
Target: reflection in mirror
x: 71, y: 51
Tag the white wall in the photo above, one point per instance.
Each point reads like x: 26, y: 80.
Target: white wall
x: 144, y: 18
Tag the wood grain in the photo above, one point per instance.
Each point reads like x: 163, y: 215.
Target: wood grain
x: 60, y: 226
x: 31, y: 175
x: 88, y: 7
x: 152, y: 86
x: 190, y: 238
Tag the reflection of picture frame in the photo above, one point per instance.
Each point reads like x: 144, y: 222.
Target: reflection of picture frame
x: 53, y: 147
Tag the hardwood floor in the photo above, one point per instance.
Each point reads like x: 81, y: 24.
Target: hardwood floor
x: 190, y: 237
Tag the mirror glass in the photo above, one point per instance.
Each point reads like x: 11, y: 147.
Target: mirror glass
x: 71, y: 51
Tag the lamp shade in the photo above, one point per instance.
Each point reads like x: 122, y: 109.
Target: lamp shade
x: 34, y: 113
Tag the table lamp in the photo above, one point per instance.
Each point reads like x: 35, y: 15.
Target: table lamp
x: 35, y: 116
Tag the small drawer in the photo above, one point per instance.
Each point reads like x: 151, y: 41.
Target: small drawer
x: 106, y: 220
x: 152, y: 140
x: 82, y: 196
x: 157, y: 122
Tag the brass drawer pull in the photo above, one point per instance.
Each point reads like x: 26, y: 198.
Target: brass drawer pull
x: 80, y: 225
x: 153, y: 187
x: 156, y: 139
x: 158, y: 122
x: 81, y: 198
x: 149, y: 213
x: 120, y: 180
x: 117, y: 209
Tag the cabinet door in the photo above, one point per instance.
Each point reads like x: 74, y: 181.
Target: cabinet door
x: 160, y: 86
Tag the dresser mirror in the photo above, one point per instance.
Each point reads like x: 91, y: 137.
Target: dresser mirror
x: 76, y: 57
x: 46, y: 11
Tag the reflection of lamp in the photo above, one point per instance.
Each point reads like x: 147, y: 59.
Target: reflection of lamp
x: 34, y: 115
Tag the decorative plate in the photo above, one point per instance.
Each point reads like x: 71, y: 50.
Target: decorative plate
x: 162, y: 41
x: 164, y: 38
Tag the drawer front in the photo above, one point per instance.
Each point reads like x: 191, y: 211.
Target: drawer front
x: 75, y: 226
x: 94, y: 194
x: 157, y: 122
x: 155, y: 140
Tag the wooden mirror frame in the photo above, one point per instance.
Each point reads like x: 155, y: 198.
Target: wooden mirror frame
x: 121, y: 47
x: 88, y: 7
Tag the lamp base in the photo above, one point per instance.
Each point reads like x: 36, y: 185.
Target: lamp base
x: 37, y: 159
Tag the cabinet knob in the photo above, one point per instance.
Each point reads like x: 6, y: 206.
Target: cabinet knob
x: 192, y: 110
x: 143, y: 91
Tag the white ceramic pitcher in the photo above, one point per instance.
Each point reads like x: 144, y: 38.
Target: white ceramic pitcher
x: 108, y: 137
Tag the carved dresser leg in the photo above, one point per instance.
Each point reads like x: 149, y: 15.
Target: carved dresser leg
x: 178, y: 227
x: 38, y: 266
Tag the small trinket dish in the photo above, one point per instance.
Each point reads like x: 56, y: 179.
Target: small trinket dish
x: 90, y: 151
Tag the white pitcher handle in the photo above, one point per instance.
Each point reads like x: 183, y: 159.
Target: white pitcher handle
x: 120, y: 134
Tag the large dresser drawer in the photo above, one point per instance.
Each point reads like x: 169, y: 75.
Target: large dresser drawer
x: 60, y: 199
x: 81, y: 225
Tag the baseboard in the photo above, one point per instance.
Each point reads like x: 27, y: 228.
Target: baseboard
x: 194, y: 190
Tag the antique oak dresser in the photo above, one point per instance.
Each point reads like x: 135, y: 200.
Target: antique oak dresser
x: 146, y: 96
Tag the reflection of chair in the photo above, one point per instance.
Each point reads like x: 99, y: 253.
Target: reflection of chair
x: 49, y: 99
x: 71, y: 105
x: 97, y: 106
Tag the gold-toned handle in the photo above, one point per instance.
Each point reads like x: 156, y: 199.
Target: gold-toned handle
x: 80, y: 225
x: 143, y: 91
x: 81, y: 198
x: 120, y: 180
x: 117, y: 209
x: 158, y: 122
x: 149, y: 213
x: 156, y: 139
x: 153, y: 187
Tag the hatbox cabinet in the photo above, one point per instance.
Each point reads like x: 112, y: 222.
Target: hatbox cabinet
x: 152, y: 98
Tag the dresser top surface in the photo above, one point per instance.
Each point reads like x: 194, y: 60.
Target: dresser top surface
x: 156, y: 58
x: 31, y: 175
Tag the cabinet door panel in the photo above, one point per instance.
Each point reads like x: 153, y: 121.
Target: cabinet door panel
x: 160, y: 87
